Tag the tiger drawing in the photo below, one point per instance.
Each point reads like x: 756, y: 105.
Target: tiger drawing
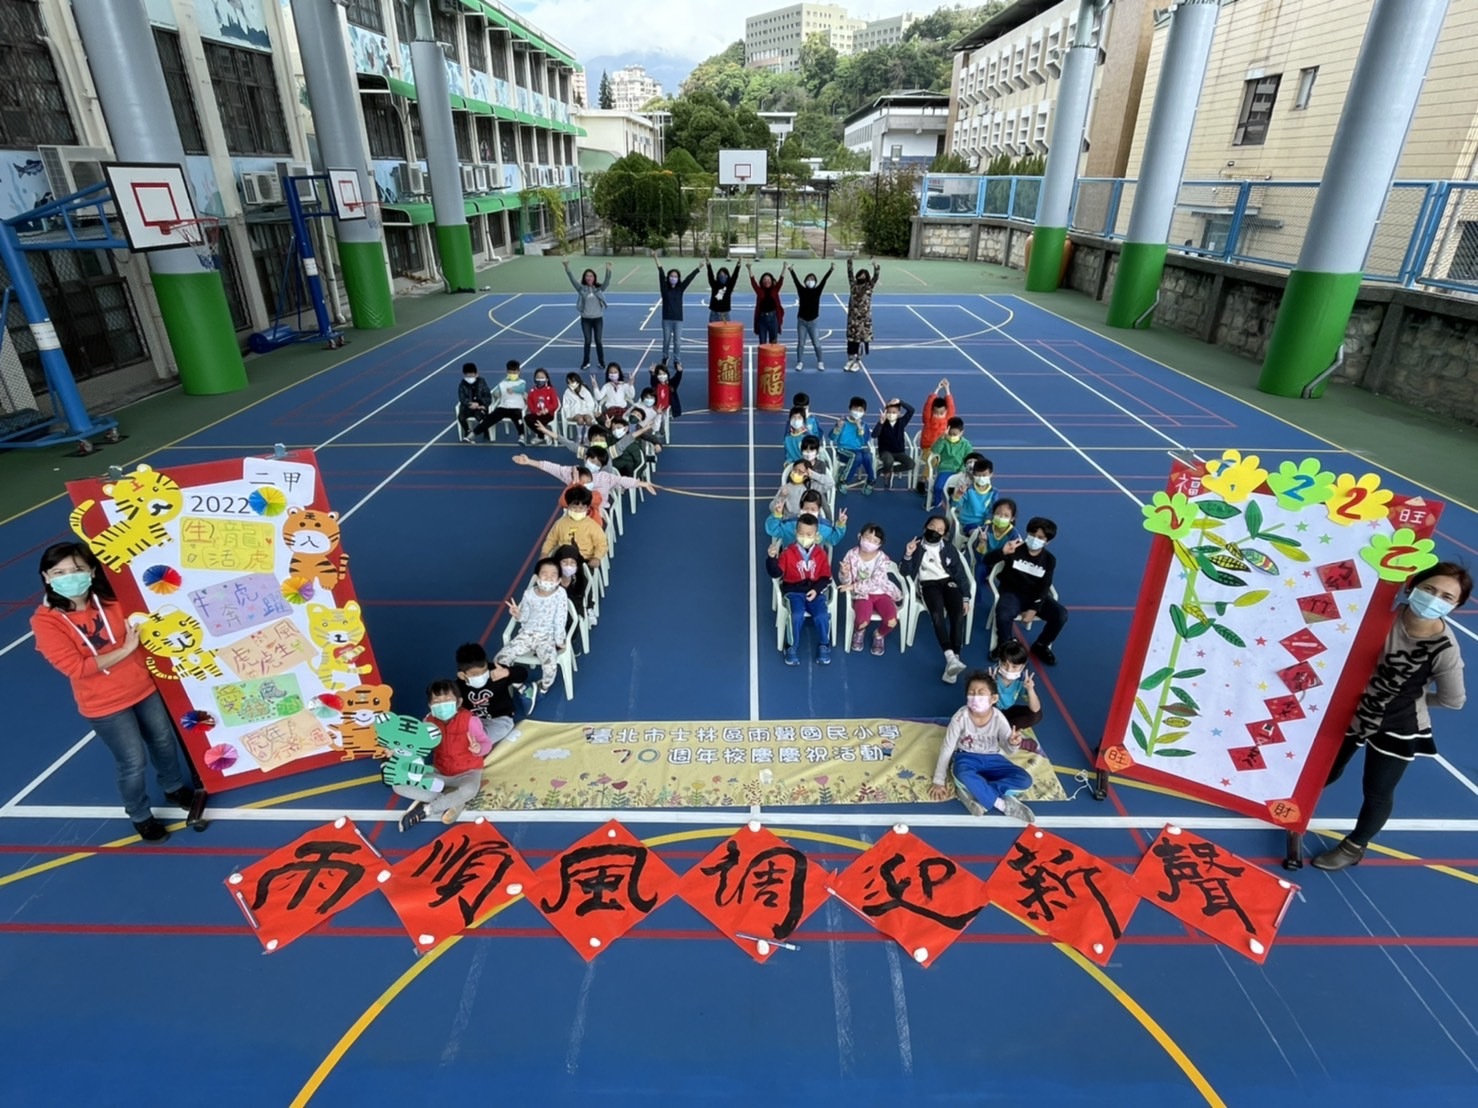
x: 147, y: 500
x: 172, y: 635
x: 313, y: 538
x: 338, y: 633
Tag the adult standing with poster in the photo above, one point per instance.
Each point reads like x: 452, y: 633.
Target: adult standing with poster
x: 81, y: 630
x: 590, y: 301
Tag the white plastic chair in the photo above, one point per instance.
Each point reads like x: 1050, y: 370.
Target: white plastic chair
x: 564, y: 660
x: 917, y: 610
x: 904, y: 607
x: 782, y: 614
x: 913, y: 452
x: 995, y: 593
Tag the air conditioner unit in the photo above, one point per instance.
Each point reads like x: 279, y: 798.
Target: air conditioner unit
x: 480, y: 178
x: 416, y: 181
x: 71, y: 169
x: 469, y: 179
x: 306, y: 191
x: 260, y: 189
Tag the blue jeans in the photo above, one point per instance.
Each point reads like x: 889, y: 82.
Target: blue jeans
x: 672, y: 339
x: 718, y: 317
x: 989, y: 777
x: 591, y: 327
x: 767, y: 329
x: 848, y: 463
x: 800, y: 607
x: 135, y: 737
x: 806, y: 328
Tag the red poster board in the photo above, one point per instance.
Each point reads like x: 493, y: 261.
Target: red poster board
x: 236, y: 577
x: 1264, y: 608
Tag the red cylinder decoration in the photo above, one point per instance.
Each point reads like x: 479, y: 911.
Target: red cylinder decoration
x: 769, y: 382
x: 725, y: 367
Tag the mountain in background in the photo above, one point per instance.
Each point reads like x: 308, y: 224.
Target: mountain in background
x: 671, y: 70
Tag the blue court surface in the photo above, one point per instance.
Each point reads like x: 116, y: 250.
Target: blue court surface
x: 128, y: 972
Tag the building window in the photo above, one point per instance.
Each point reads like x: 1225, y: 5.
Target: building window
x: 382, y: 123
x: 499, y: 45
x: 1306, y: 78
x: 366, y: 14
x: 270, y: 245
x: 1258, y: 97
x: 418, y: 141
x: 506, y: 145
x: 246, y: 90
x: 231, y: 278
x: 403, y: 244
x: 177, y: 80
x: 405, y: 20
x: 33, y: 108
x: 444, y: 26
x: 462, y: 129
x: 474, y: 227
x: 477, y: 46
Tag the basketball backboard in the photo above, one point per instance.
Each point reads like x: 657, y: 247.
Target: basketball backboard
x: 345, y: 194
x: 742, y: 167
x: 153, y: 202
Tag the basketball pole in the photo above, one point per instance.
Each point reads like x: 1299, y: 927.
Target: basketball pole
x: 119, y: 44
x: 334, y: 103
x: 434, y: 95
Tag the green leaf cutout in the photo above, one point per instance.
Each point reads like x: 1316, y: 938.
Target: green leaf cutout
x: 1178, y: 752
x: 1173, y: 737
x: 1159, y: 677
x: 1219, y: 509
x: 1177, y: 617
x: 1248, y: 599
x: 1185, y: 698
x: 1230, y: 636
x: 1187, y: 674
x: 1253, y: 518
x: 1139, y: 736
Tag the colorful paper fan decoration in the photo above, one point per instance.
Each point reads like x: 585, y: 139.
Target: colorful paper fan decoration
x: 162, y: 580
x: 197, y: 721
x: 267, y: 501
x: 297, y: 590
x: 221, y: 757
x: 328, y: 706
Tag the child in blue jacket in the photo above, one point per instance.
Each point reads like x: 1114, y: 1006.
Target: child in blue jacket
x: 851, y: 438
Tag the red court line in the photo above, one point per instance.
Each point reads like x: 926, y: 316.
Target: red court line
x: 519, y: 576
x: 1147, y: 379
x: 1455, y: 542
x: 1174, y: 422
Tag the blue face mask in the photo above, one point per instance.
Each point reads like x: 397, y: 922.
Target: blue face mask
x: 444, y: 709
x: 73, y: 586
x: 1422, y: 603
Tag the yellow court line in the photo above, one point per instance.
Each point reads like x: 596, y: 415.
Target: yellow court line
x: 1449, y: 871
x: 400, y: 984
x: 262, y: 400
x: 286, y: 798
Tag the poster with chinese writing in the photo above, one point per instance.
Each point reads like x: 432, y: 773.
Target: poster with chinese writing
x: 1265, y: 605
x: 234, y: 574
x: 711, y: 764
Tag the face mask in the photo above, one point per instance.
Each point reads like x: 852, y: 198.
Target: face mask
x: 797, y: 478
x: 1034, y: 544
x: 469, y: 378
x: 73, y: 586
x: 662, y: 378
x: 1009, y: 675
x: 593, y: 466
x: 476, y: 681
x: 566, y: 571
x: 672, y: 280
x: 810, y: 282
x: 444, y: 709
x: 891, y: 417
x: 978, y: 704
x: 805, y: 542
x: 809, y: 455
x: 613, y: 377
x: 933, y: 538
x: 723, y: 278
x: 576, y: 513
x: 546, y: 586
x: 541, y: 381
x: 954, y: 436
x: 856, y: 415
x: 618, y: 431
x: 1422, y: 603
x: 982, y: 482
x: 869, y: 546
x: 1002, y: 522
x: 797, y: 423
x: 649, y: 400
x: 513, y: 377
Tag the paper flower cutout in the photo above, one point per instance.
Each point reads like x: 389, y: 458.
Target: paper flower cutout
x: 1233, y: 477
x: 1170, y: 515
x: 297, y: 590
x: 1298, y: 486
x: 1358, y: 501
x: 162, y: 580
x: 1396, y: 558
x: 328, y: 705
x: 201, y: 721
x: 220, y: 757
x: 267, y: 501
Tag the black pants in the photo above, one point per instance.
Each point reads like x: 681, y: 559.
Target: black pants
x: 1052, y: 614
x: 592, y: 329
x: 946, y: 611
x: 1020, y: 716
x: 856, y: 348
x: 1382, y: 774
x: 497, y: 415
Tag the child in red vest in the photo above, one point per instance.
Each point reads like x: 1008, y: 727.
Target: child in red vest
x: 805, y: 574
x: 458, y: 758
x: 543, y: 404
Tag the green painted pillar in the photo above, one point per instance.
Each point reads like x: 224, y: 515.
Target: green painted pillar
x: 1322, y: 288
x: 433, y: 94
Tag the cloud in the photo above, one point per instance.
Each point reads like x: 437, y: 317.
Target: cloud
x: 688, y: 28
x: 551, y: 755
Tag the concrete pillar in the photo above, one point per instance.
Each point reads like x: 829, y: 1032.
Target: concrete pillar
x: 433, y: 95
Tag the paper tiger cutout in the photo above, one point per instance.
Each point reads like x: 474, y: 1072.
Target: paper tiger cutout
x: 175, y: 635
x: 313, y: 537
x: 338, y: 633
x: 147, y: 501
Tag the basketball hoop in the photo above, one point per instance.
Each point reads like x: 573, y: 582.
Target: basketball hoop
x: 203, y: 235
x: 368, y: 210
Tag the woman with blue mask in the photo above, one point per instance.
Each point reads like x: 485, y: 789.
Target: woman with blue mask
x: 81, y: 630
x: 1421, y: 668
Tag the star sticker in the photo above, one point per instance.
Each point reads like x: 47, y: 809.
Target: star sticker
x: 1262, y: 686
x: 1308, y: 573
x: 1216, y: 731
x: 1260, y: 641
x: 1182, y: 575
x: 1236, y: 663
x: 1290, y: 755
x: 1225, y: 782
x: 1289, y: 582
x: 1313, y: 707
x: 1343, y: 628
x: 1375, y: 524
x: 1228, y: 714
x: 1354, y: 608
x: 1320, y: 664
x: 1302, y: 527
x: 1325, y: 539
x: 1200, y: 654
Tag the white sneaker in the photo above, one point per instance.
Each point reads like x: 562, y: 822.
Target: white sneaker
x: 800, y: 367
x: 1015, y: 809
x: 953, y: 667
x: 820, y: 367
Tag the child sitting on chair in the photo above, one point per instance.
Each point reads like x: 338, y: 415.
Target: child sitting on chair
x: 510, y: 399
x: 781, y: 526
x: 457, y: 758
x: 1002, y: 528
x: 949, y: 454
x: 1025, y: 587
x: 976, y: 496
x: 593, y: 473
x: 616, y: 395
x: 796, y: 434
x: 973, y: 754
x: 576, y: 528
x: 865, y: 575
x: 543, y: 404
x: 578, y: 404
x: 487, y: 691
x: 474, y: 403
x: 542, y: 623
x: 801, y: 479
x: 811, y: 453
x: 804, y: 571
x: 851, y: 439
x: 891, y: 434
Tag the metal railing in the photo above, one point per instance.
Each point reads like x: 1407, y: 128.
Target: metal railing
x: 1427, y: 234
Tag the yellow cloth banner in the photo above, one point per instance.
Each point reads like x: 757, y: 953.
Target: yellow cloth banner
x: 724, y: 764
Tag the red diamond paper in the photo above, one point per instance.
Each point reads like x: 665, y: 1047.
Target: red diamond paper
x: 455, y: 880
x: 757, y: 885
x: 1247, y: 757
x: 1214, y: 891
x: 596, y: 890
x: 1335, y: 576
x: 293, y: 890
x: 1303, y: 645
x: 1284, y: 708
x: 912, y: 893
x: 1299, y: 678
x: 1065, y: 892
x: 1320, y: 608
x: 1265, y: 731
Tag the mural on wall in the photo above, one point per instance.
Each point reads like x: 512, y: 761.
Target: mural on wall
x: 23, y: 185
x: 501, y: 93
x: 235, y: 21
x: 478, y: 85
x: 203, y: 185
x: 371, y: 52
x: 393, y: 189
x: 454, y: 78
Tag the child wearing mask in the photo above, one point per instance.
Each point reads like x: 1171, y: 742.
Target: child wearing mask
x: 510, y: 399
x: 671, y: 286
x: 973, y: 754
x: 976, y: 497
x: 1002, y: 528
x: 592, y: 473
x: 576, y: 528
x: 573, y: 578
x: 811, y: 453
x: 769, y: 312
x: 474, y: 404
x: 807, y: 312
x: 1016, y: 688
x: 664, y: 385
x: 720, y: 293
x: 543, y: 404
x: 616, y: 395
x: 1025, y: 587
x: 804, y: 572
x: 891, y: 434
x: 800, y: 480
x: 859, y: 314
x: 796, y: 433
x: 944, y: 583
x: 949, y: 457
x: 802, y: 401
x: 864, y: 574
x: 487, y: 690
x: 651, y: 419
x: 542, y: 623
x: 939, y: 409
x: 578, y: 405
x: 457, y: 758
x: 851, y: 439
x: 779, y: 525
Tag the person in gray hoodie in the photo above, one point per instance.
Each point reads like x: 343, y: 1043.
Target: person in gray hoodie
x: 590, y: 299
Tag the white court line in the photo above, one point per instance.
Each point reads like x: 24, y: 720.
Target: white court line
x: 1463, y: 779
x: 754, y: 586
x: 24, y: 638
x: 719, y: 818
x: 49, y: 770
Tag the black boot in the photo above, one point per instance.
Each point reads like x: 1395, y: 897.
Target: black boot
x: 151, y: 830
x: 1344, y: 855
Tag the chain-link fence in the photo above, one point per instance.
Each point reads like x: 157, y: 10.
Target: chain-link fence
x: 1447, y: 255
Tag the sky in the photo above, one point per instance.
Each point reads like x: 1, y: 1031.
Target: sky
x: 689, y: 29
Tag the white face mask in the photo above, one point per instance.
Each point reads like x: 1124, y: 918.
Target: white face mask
x: 1033, y: 543
x: 982, y: 482
x: 546, y: 586
x: 477, y: 680
x: 809, y: 455
x: 566, y: 571
x: 797, y: 423
x: 576, y: 513
x: 810, y: 282
x: 618, y: 431
x: 857, y: 415
x: 1009, y: 675
x: 469, y: 378
x: 891, y: 417
x: 614, y: 378
x: 662, y: 378
x: 672, y: 280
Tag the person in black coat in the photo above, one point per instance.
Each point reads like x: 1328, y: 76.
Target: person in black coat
x: 944, y: 583
x: 808, y: 310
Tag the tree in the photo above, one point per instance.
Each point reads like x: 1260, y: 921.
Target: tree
x: 694, y: 187
x: 889, y: 202
x: 639, y: 199
x: 844, y: 160
x: 817, y: 62
x: 951, y: 162
x: 607, y: 99
x: 788, y: 162
x: 702, y: 124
